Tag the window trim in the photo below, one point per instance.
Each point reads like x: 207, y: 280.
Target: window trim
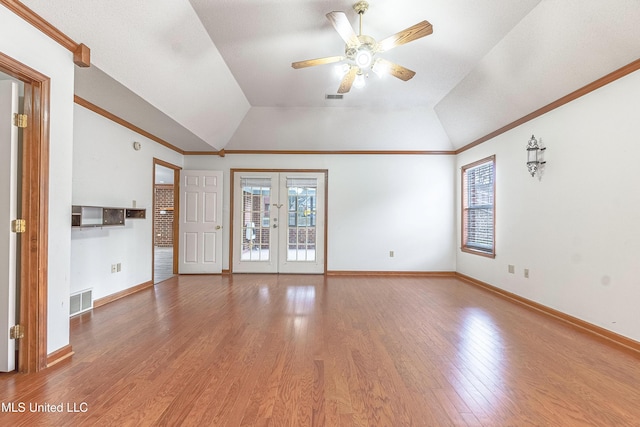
x: 463, y: 246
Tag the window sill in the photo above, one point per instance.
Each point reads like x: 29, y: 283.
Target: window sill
x: 477, y: 252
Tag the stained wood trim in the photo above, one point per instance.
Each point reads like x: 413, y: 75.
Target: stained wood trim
x: 59, y: 355
x: 605, y: 334
x: 603, y: 81
x: 391, y: 273
x: 176, y: 218
x: 82, y: 56
x: 129, y: 291
x: 160, y: 162
x: 32, y: 349
x: 463, y: 224
x: 81, y: 53
x: 611, y: 77
x: 122, y: 122
x: 176, y: 209
x: 223, y: 153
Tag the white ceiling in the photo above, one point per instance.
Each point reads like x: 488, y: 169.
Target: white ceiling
x: 213, y: 74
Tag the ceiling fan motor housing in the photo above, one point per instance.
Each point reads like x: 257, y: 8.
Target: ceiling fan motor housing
x: 362, y: 55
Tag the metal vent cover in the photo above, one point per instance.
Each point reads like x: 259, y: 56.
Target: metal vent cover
x: 333, y: 96
x: 80, y: 302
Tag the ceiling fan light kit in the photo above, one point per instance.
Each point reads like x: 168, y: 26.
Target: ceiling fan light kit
x: 360, y: 51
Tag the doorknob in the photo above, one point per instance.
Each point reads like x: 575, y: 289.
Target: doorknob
x: 275, y: 225
x: 218, y: 227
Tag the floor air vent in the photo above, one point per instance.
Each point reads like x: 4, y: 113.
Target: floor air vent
x: 80, y: 302
x: 331, y: 96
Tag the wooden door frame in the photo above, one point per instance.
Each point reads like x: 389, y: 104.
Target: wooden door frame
x: 176, y: 214
x: 32, y: 349
x: 232, y: 173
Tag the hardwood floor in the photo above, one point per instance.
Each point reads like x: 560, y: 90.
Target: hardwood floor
x: 327, y: 351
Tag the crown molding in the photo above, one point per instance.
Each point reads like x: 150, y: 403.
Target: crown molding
x: 81, y: 53
x: 597, y: 84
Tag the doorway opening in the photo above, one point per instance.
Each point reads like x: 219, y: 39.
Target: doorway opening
x: 165, y: 215
x: 11, y: 105
x: 33, y: 184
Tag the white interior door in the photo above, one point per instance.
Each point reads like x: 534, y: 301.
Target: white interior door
x: 8, y: 212
x: 200, y: 219
x: 278, y: 224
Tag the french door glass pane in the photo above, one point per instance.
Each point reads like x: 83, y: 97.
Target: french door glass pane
x: 301, y: 219
x: 256, y: 203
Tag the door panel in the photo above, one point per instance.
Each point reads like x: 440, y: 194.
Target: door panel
x: 278, y: 224
x: 200, y: 222
x: 8, y: 212
x: 302, y: 234
x: 253, y: 227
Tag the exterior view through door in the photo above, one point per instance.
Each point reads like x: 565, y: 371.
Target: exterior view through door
x: 279, y: 222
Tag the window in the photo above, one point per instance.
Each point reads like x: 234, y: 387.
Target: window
x: 478, y: 201
x: 302, y: 202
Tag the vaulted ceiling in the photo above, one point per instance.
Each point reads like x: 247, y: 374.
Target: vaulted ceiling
x: 211, y: 74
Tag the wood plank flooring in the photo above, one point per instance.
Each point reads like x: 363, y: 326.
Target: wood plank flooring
x: 288, y: 350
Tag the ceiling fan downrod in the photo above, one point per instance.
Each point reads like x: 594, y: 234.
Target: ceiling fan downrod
x: 360, y: 8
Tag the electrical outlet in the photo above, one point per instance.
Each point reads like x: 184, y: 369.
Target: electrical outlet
x: 526, y: 273
x: 114, y: 268
x: 391, y: 254
x: 512, y: 269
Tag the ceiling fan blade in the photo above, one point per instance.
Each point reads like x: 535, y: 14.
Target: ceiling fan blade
x: 347, y: 81
x: 382, y: 65
x: 343, y: 27
x: 419, y: 30
x: 319, y: 61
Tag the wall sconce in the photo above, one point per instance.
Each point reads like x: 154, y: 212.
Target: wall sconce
x: 535, y: 155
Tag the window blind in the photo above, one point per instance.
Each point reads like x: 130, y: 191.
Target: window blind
x: 478, y: 204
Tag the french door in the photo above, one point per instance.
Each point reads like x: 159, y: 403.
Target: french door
x: 278, y: 222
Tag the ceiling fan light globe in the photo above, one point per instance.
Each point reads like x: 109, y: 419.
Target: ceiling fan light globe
x: 342, y: 70
x: 380, y: 68
x: 359, y: 81
x: 364, y: 58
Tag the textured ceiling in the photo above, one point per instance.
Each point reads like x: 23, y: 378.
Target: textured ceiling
x: 217, y: 73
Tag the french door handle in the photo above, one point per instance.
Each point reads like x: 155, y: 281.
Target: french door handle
x: 275, y: 225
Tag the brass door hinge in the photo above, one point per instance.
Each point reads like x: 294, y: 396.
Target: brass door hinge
x: 16, y: 332
x: 20, y: 120
x: 19, y: 225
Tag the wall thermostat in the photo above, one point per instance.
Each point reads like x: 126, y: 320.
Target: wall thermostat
x: 137, y: 146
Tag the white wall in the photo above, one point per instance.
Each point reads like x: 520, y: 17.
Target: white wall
x: 376, y: 203
x: 340, y: 129
x: 576, y: 228
x: 107, y: 171
x: 49, y: 58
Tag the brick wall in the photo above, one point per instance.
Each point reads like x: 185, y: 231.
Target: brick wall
x: 164, y: 221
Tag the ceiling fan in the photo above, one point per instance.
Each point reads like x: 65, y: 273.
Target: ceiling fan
x: 360, y: 52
